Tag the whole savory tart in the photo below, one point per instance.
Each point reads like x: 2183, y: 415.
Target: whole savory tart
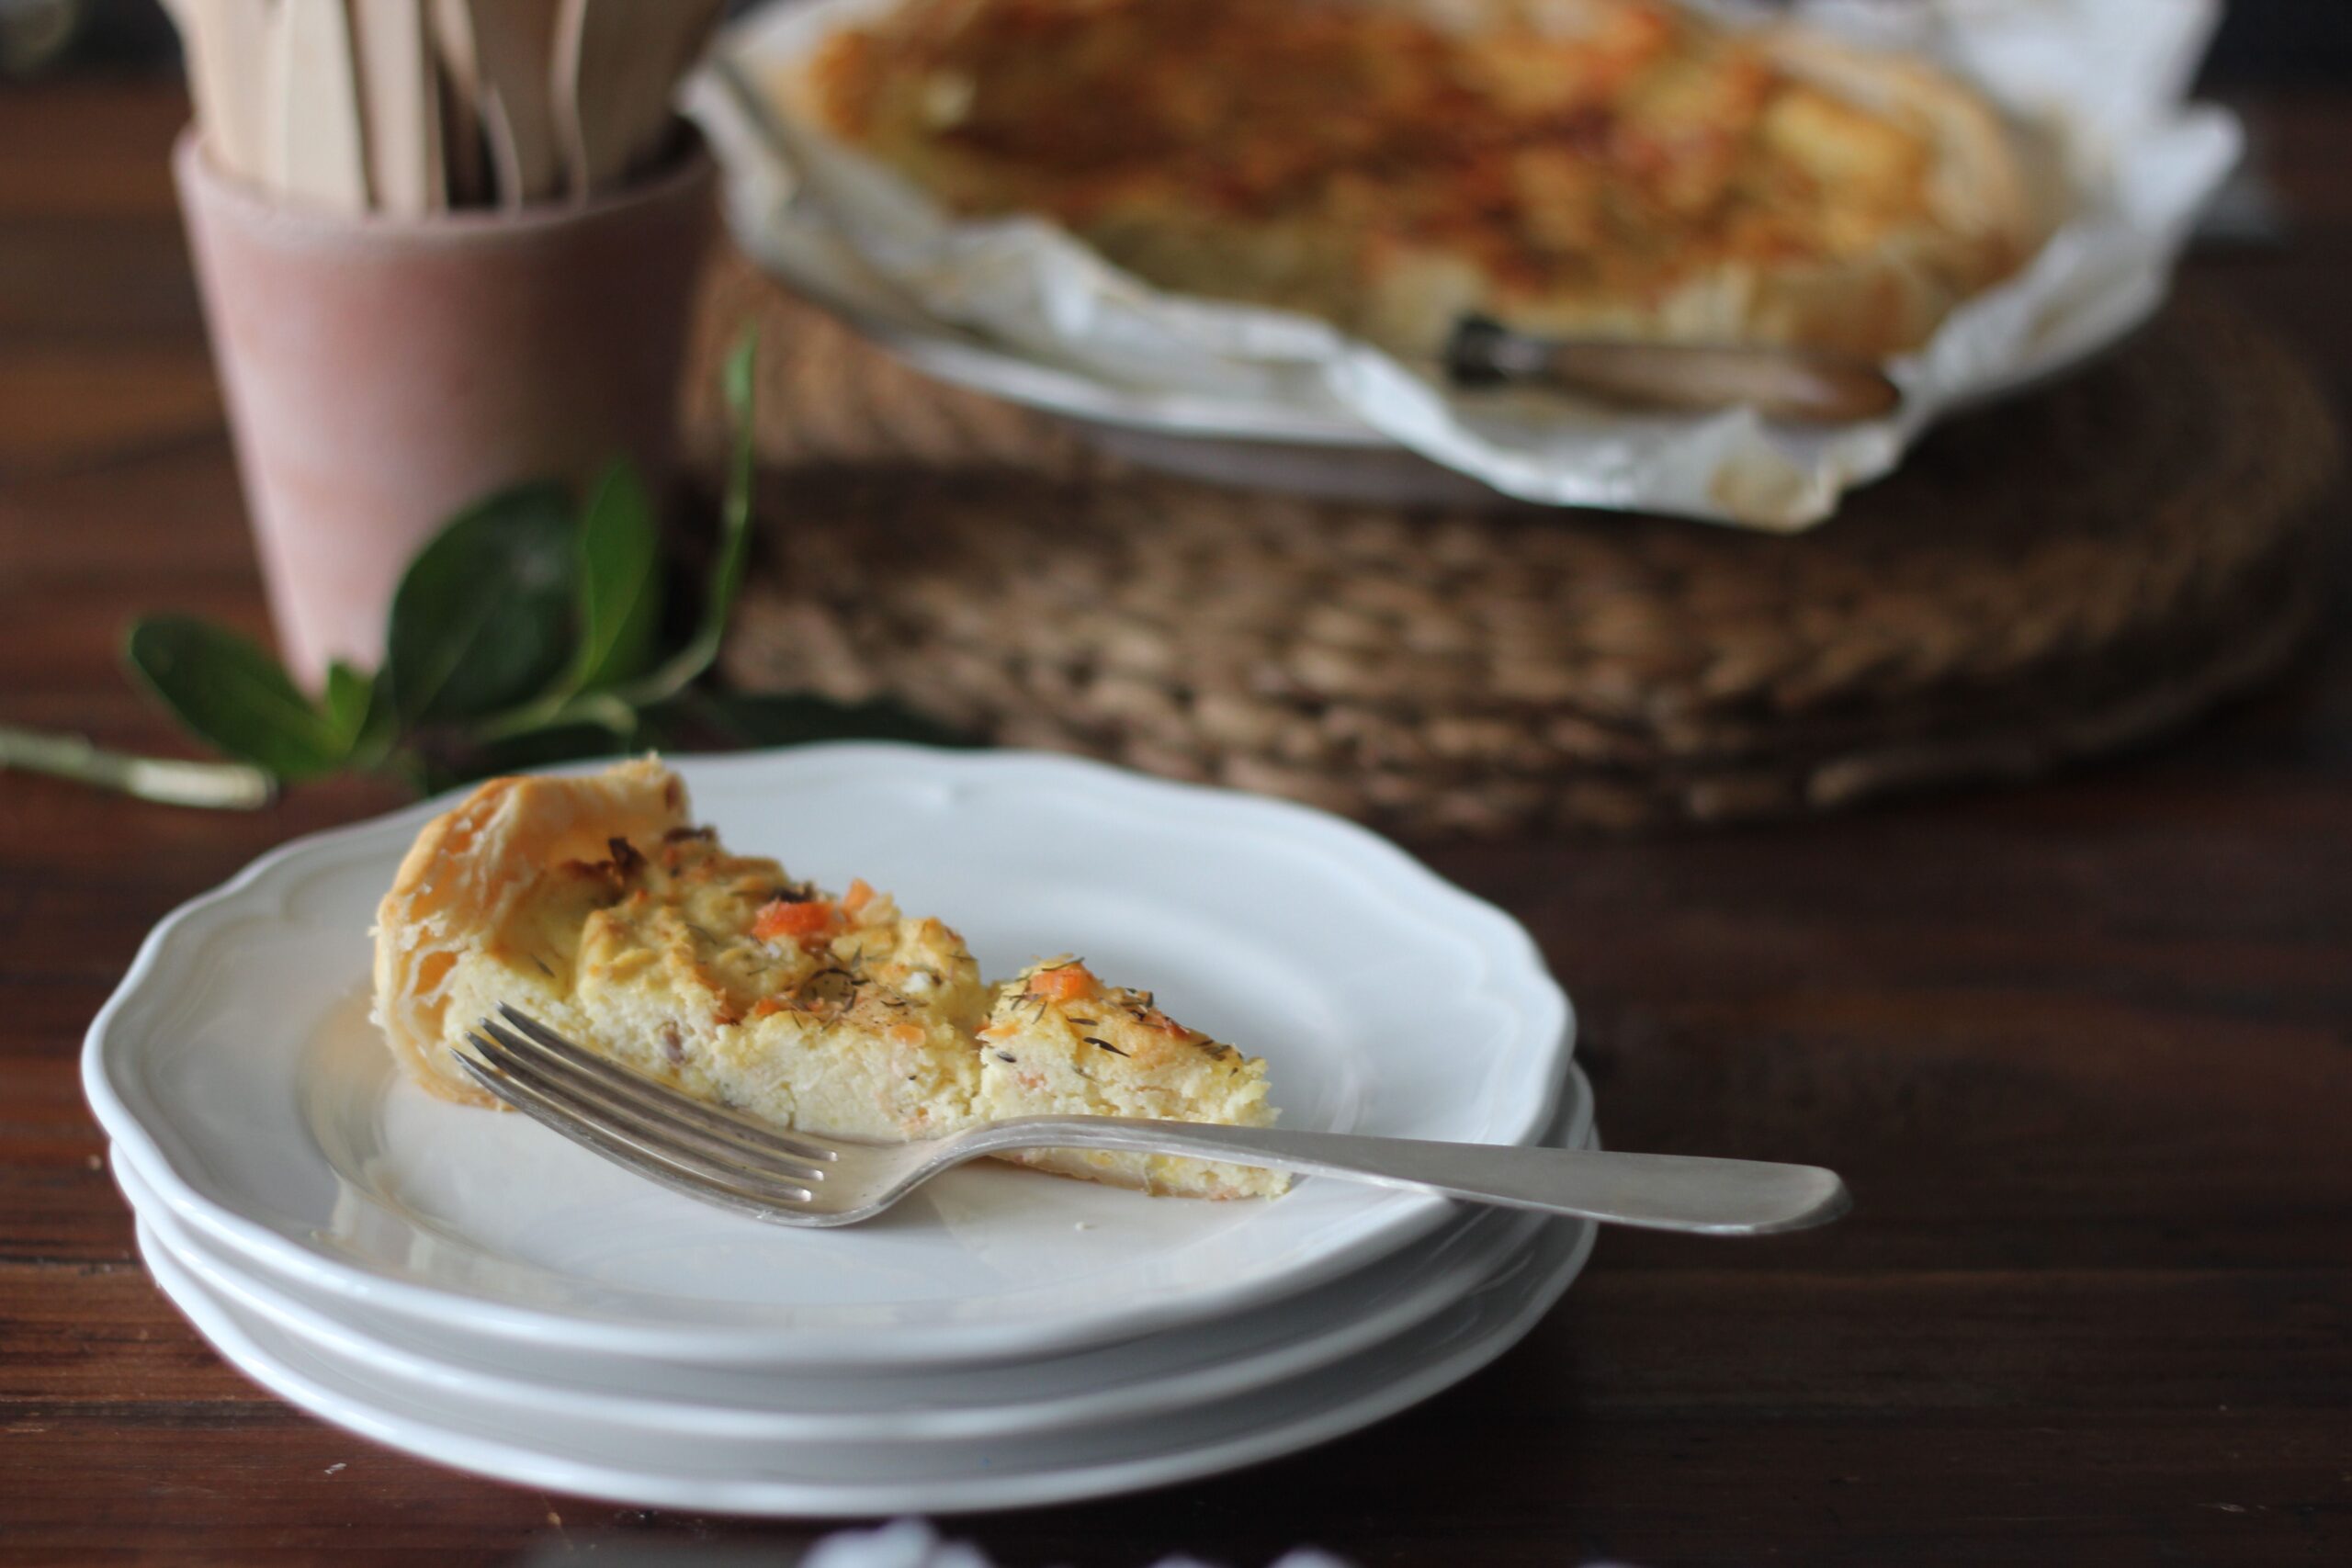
x: 595, y: 904
x: 1618, y: 168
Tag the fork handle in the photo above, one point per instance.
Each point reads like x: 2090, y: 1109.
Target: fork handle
x: 1810, y: 385
x: 1670, y: 1192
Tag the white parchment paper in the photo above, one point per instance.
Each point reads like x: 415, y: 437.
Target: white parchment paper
x: 2101, y: 84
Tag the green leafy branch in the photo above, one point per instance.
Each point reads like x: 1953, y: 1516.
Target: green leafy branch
x: 526, y: 632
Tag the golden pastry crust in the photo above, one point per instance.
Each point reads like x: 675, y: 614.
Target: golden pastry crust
x: 473, y: 867
x: 590, y: 902
x: 1594, y: 167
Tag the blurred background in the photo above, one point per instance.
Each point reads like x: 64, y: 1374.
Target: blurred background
x: 2270, y: 41
x: 2082, y: 1043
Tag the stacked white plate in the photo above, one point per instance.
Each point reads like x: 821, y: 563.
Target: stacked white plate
x: 472, y: 1288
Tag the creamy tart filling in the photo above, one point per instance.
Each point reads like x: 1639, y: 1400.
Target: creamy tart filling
x: 1606, y: 167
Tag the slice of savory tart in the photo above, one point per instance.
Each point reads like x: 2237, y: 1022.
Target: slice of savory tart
x: 1060, y: 1043
x: 595, y: 904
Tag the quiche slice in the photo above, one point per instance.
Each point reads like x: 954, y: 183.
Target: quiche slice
x: 595, y: 904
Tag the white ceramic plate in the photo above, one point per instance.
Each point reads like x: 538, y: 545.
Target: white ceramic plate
x: 235, y: 1066
x: 528, y: 1448
x: 1169, y: 1372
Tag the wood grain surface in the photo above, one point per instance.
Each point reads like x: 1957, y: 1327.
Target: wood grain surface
x: 2083, y: 1050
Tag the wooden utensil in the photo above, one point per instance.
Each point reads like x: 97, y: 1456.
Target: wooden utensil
x: 449, y: 27
x: 228, y: 48
x: 513, y: 45
x: 617, y: 64
x: 601, y: 46
x: 408, y: 107
x: 400, y: 103
x: 316, y: 156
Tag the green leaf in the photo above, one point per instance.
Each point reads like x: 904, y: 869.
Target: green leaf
x: 620, y: 581
x: 798, y: 719
x: 348, y: 696
x: 233, y: 696
x: 738, y: 377
x: 359, y: 706
x: 685, y: 667
x: 483, y: 618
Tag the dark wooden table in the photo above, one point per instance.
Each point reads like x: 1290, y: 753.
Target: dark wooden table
x: 2083, y: 1049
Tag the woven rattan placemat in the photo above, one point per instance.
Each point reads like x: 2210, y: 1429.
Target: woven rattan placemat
x: 2051, y: 579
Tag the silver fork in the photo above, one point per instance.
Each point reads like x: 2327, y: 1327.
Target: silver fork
x: 800, y: 1178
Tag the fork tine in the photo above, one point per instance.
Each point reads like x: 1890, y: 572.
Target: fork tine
x: 593, y: 1100
x: 590, y: 1101
x: 759, y: 1202
x: 658, y: 1098
x: 551, y: 1093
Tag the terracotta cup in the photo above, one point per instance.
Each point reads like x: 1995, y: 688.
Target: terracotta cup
x: 382, y: 373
